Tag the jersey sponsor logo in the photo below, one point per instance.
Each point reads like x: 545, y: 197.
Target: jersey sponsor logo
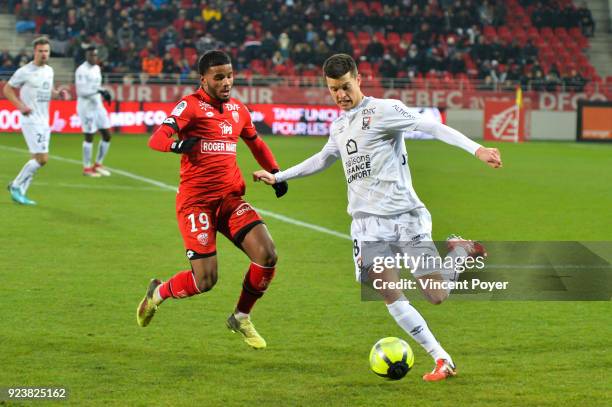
x: 404, y: 113
x: 218, y: 147
x: 231, y: 107
x: 243, y: 208
x: 365, y: 124
x: 203, y: 238
x: 204, y: 105
x: 178, y: 109
x: 236, y: 116
x: 351, y: 146
x: 358, y: 167
x: 369, y: 112
x: 226, y: 128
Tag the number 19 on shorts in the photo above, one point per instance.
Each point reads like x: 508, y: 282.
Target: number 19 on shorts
x: 199, y: 222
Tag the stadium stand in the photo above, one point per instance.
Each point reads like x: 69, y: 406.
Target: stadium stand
x: 490, y: 44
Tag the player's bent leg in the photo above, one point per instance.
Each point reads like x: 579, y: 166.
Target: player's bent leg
x: 258, y: 245
x: 410, y: 320
x: 204, y: 273
x: 434, y: 287
x: 202, y: 277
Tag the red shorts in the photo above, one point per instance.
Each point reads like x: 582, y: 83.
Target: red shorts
x: 199, y: 224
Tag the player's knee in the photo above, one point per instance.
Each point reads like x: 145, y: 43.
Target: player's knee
x: 269, y: 257
x: 438, y: 297
x: 89, y: 138
x: 106, y: 136
x: 206, y: 282
x: 42, y: 160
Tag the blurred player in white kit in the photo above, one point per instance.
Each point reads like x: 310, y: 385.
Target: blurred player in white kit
x: 35, y: 83
x: 91, y: 111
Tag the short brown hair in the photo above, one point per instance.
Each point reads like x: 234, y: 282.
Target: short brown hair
x: 40, y: 41
x: 338, y: 65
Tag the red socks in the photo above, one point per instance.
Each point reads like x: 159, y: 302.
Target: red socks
x: 181, y: 285
x: 255, y: 284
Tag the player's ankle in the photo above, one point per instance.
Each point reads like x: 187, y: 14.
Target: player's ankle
x: 240, y: 315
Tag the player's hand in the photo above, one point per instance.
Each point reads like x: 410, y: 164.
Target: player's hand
x: 280, y: 188
x: 265, y: 177
x: 25, y: 110
x: 490, y: 156
x: 105, y: 95
x: 184, y: 146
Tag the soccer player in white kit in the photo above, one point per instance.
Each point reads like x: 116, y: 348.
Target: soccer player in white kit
x: 92, y: 113
x: 35, y: 81
x: 368, y: 138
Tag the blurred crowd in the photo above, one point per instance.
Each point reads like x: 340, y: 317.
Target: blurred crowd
x: 397, y: 38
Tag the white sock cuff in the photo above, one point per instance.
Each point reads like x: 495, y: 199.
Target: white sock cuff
x: 34, y: 164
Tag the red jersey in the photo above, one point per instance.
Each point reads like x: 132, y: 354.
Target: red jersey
x: 210, y: 171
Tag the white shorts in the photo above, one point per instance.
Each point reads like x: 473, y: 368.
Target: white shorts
x: 37, y: 137
x: 94, y: 120
x: 413, y: 227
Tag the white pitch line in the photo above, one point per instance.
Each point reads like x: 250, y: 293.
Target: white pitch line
x: 168, y: 187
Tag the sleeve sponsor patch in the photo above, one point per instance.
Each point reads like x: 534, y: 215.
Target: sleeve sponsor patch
x: 178, y: 109
x: 404, y: 113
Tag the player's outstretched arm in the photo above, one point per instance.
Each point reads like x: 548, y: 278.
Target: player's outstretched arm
x: 442, y: 132
x: 309, y: 166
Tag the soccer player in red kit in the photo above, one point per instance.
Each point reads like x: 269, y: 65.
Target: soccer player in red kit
x: 209, y: 123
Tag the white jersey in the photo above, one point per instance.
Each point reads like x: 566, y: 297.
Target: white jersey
x: 36, y: 85
x: 369, y: 140
x: 88, y: 80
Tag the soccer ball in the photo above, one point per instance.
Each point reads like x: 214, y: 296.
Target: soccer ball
x: 391, y: 357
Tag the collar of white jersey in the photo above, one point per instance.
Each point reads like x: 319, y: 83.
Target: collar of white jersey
x: 363, y: 103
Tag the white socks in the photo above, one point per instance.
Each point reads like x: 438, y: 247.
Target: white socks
x: 409, y: 319
x: 87, y: 150
x: 241, y: 315
x: 25, y: 176
x: 102, y: 151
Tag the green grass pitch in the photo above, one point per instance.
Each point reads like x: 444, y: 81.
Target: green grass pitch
x: 74, y: 268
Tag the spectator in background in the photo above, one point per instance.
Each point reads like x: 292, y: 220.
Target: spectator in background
x: 388, y: 69
x: 585, y: 20
x: 168, y: 39
x: 125, y: 34
x: 169, y: 68
x: 284, y: 45
x: 457, y: 64
x: 530, y: 52
x: 552, y: 80
x: 574, y: 82
x: 374, y: 51
x: 268, y: 45
x: 25, y: 18
x: 152, y: 66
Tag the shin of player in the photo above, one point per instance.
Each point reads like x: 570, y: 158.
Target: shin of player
x: 91, y: 111
x: 35, y: 83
